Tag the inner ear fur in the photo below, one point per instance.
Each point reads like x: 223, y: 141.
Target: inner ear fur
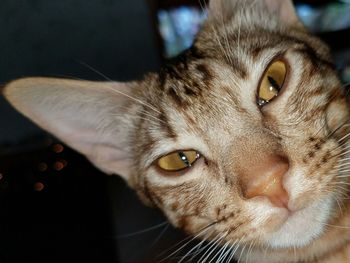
x: 89, y: 116
x: 281, y: 10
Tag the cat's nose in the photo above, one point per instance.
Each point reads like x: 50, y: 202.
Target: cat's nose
x: 265, y: 178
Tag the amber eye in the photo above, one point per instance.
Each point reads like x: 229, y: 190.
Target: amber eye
x: 272, y: 82
x: 178, y: 160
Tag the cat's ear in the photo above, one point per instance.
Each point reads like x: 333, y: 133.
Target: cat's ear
x: 283, y: 10
x: 88, y: 116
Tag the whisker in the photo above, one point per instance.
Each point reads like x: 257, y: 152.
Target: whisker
x: 222, y: 251
x: 235, y: 247
x: 342, y: 164
x: 338, y: 127
x: 250, y: 250
x: 212, y: 248
x: 195, y: 253
x: 217, y: 38
x: 321, y: 128
x: 203, y: 5
x: 343, y: 183
x: 346, y: 159
x: 335, y: 226
x: 344, y: 137
x: 342, y: 146
x: 218, y: 244
x: 134, y: 99
x: 242, y: 251
x: 142, y: 231
x: 228, y: 252
x: 136, y: 117
x: 150, y: 115
x: 160, y: 235
x: 202, y: 231
x: 199, y: 249
x: 345, y: 173
x: 94, y: 70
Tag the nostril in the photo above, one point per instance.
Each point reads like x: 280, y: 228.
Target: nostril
x: 266, y: 179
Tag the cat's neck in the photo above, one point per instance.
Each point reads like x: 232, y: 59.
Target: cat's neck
x: 332, y: 246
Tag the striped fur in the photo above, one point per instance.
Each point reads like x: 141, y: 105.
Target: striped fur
x: 206, y: 100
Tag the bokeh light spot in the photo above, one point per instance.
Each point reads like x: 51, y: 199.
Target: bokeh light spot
x: 58, y: 166
x: 38, y: 186
x: 58, y: 148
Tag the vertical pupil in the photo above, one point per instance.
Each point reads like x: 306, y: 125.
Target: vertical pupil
x: 184, y: 159
x: 273, y: 83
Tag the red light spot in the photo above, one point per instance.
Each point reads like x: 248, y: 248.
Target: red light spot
x: 57, y: 148
x: 58, y: 166
x: 64, y: 162
x: 39, y: 186
x: 1, y: 176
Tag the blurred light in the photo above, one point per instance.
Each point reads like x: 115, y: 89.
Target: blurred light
x: 331, y: 17
x: 178, y: 27
x: 42, y: 167
x: 38, y: 186
x: 64, y: 162
x: 1, y: 176
x: 307, y: 14
x: 58, y: 166
x: 346, y: 75
x: 58, y: 148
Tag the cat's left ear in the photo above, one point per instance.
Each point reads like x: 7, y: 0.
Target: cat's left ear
x: 91, y: 117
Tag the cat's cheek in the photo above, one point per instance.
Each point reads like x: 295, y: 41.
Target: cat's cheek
x: 173, y: 194
x: 336, y: 114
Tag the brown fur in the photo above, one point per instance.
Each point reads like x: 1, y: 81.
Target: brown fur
x: 207, y: 101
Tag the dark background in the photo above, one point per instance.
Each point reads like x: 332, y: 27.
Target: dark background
x: 75, y: 212
x: 81, y: 214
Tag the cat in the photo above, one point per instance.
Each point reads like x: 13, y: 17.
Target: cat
x: 243, y: 142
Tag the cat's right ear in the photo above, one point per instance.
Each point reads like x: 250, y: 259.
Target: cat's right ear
x: 91, y: 117
x: 281, y: 10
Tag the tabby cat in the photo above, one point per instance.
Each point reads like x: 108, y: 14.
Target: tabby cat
x: 242, y: 142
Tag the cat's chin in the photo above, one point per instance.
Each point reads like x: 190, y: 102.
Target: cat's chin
x: 301, y: 227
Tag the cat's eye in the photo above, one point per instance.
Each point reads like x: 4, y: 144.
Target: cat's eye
x: 271, y: 82
x: 177, y: 161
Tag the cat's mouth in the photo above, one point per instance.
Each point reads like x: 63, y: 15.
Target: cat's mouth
x: 297, y: 228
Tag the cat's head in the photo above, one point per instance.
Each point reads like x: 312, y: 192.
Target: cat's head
x: 243, y: 139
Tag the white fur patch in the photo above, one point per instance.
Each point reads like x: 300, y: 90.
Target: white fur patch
x: 303, y: 226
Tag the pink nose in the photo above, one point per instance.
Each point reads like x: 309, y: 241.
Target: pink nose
x: 266, y: 179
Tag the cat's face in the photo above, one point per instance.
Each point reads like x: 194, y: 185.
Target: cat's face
x: 268, y: 164
x: 209, y: 104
